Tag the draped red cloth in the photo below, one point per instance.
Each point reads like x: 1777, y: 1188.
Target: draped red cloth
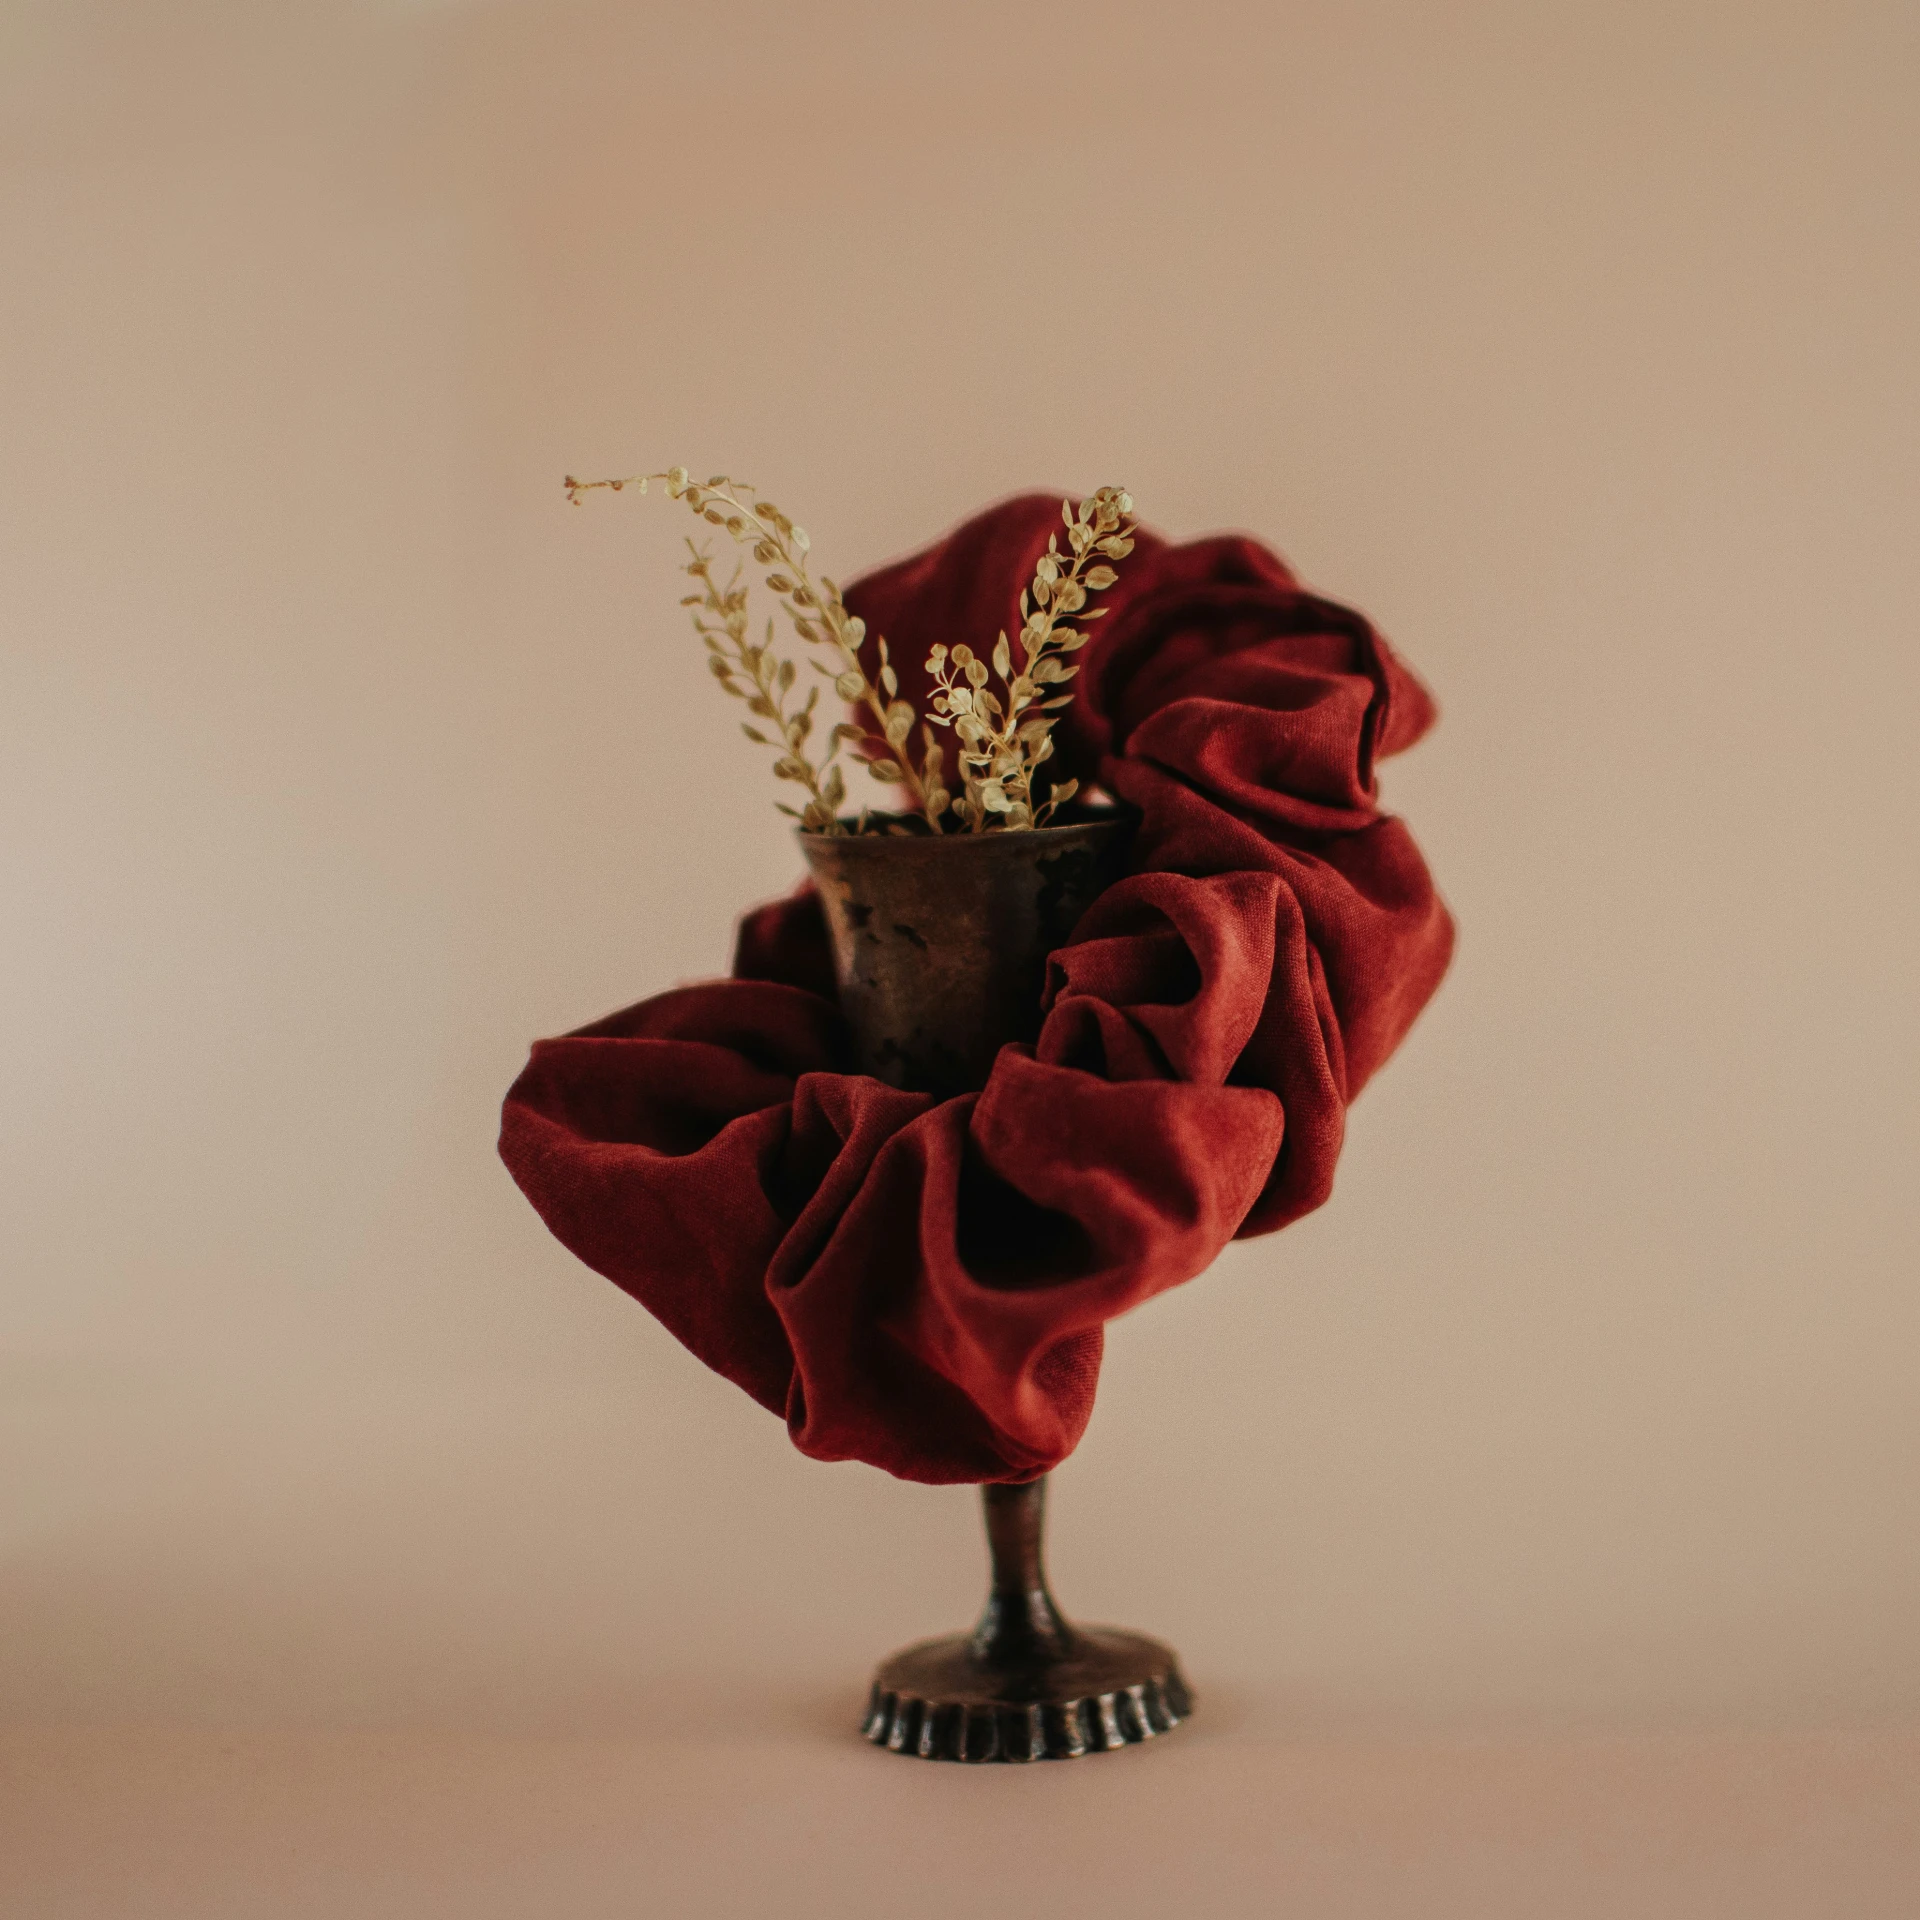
x: 923, y: 1284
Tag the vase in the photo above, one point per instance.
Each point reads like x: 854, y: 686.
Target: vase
x: 940, y: 943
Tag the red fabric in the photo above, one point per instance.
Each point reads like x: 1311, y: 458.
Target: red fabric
x: 923, y: 1284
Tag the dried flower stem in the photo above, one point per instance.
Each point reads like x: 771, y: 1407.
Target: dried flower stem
x: 1002, y: 737
x: 1002, y: 740
x: 816, y: 609
x: 753, y: 674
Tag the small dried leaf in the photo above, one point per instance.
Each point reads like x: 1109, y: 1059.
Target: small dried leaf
x: 798, y: 535
x: 977, y: 673
x: 850, y: 685
x: 889, y: 681
x: 1002, y: 658
x: 1099, y: 578
x: 884, y: 771
x: 1062, y: 792
x: 993, y: 797
x: 754, y: 734
x: 899, y: 722
x: 963, y: 655
x: 779, y: 582
x: 786, y: 675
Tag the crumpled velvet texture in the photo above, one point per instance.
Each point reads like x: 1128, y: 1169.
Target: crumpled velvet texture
x: 923, y: 1284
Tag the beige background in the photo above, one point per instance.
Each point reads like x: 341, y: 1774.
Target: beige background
x: 1536, y: 1521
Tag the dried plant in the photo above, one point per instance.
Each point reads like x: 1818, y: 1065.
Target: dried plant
x: 1002, y: 738
x: 753, y: 674
x: 818, y: 614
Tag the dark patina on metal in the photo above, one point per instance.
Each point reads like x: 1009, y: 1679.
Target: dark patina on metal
x: 940, y: 941
x: 940, y: 945
x: 1025, y: 1684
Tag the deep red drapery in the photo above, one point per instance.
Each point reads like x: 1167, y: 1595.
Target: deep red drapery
x: 923, y: 1284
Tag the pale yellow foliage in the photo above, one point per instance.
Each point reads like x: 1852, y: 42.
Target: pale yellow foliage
x: 1001, y: 737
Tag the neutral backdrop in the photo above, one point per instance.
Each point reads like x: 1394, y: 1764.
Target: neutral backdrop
x: 1536, y: 1521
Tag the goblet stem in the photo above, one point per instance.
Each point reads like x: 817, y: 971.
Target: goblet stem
x: 1021, y: 1622
x: 1024, y: 1685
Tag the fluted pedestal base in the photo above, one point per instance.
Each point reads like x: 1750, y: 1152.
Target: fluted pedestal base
x: 1105, y: 1689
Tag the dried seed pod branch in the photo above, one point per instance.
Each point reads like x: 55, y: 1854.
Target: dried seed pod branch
x: 817, y: 611
x: 1002, y: 738
x: 757, y: 676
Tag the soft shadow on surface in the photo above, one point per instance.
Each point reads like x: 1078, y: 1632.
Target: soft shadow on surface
x: 707, y: 1707
x: 826, y: 1714
x: 167, y: 1823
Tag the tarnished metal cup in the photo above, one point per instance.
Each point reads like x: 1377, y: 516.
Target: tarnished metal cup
x: 940, y: 941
